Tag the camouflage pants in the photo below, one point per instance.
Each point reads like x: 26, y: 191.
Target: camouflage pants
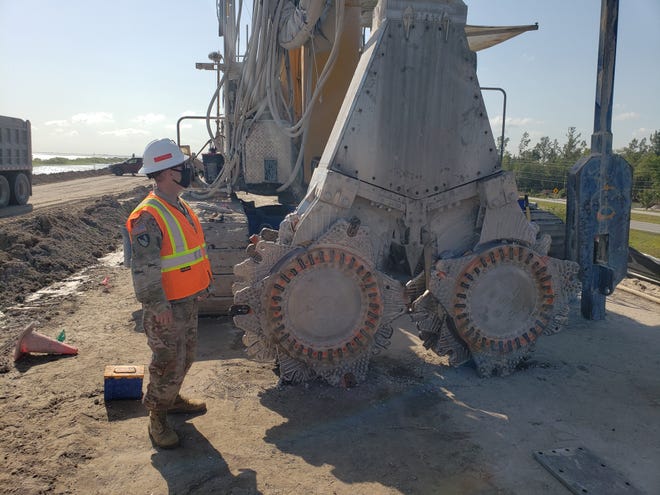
x: 173, y: 347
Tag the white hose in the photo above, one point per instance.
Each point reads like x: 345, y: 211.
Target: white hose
x: 209, y: 109
x: 259, y: 88
x: 299, y: 22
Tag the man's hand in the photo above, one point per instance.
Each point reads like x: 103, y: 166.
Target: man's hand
x: 164, y: 318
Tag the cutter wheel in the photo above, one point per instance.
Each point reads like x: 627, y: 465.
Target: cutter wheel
x: 493, y: 305
x: 319, y: 311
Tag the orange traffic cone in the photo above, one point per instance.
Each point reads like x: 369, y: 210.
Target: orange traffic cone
x: 30, y: 341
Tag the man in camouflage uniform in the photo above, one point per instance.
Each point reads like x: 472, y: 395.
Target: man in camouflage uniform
x: 170, y: 273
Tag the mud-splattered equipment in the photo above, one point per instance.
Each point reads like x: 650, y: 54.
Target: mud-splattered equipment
x: 322, y: 310
x: 409, y: 183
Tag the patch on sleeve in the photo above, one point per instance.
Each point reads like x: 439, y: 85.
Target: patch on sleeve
x: 143, y: 240
x: 139, y: 227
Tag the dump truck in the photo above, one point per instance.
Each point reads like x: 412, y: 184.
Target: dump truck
x: 15, y: 161
x: 380, y: 152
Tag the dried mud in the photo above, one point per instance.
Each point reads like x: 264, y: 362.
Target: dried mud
x: 50, y: 244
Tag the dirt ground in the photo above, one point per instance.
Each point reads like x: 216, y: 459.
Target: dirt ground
x: 415, y: 426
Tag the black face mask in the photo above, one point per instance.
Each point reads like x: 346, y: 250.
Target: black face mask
x: 186, y: 176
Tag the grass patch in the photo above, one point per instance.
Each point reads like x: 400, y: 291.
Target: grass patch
x: 558, y: 209
x: 643, y: 217
x: 645, y: 242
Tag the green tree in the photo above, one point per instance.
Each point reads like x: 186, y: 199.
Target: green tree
x: 574, y: 147
x: 644, y: 159
x: 646, y: 178
x: 546, y: 151
x: 635, y: 150
x: 544, y: 166
x: 648, y: 198
x: 655, y: 142
x: 523, y: 147
x: 504, y: 146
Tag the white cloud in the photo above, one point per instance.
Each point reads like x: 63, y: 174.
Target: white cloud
x: 93, y: 118
x: 521, y: 121
x: 57, y: 123
x: 626, y: 116
x: 149, y: 118
x: 514, y: 121
x: 125, y: 132
x: 59, y: 132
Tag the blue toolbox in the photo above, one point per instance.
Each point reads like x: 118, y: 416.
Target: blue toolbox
x: 123, y: 382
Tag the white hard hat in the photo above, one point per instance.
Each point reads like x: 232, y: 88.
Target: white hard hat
x: 161, y: 154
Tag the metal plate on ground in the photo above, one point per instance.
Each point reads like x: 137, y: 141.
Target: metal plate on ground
x: 584, y: 473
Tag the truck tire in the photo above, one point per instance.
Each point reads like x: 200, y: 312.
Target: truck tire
x: 20, y: 189
x: 5, y: 191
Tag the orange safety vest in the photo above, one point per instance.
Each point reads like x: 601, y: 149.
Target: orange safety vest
x: 185, y: 266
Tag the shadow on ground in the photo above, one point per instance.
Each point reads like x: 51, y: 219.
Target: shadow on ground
x: 394, y: 430
x: 202, y: 469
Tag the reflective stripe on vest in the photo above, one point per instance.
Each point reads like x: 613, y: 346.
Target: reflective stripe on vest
x: 182, y: 256
x: 184, y: 262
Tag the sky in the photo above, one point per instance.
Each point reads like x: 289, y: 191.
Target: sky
x: 107, y: 77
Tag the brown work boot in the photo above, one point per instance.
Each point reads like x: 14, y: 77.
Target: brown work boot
x: 160, y: 431
x: 185, y: 405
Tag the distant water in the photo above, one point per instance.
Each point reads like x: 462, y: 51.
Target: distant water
x: 56, y: 169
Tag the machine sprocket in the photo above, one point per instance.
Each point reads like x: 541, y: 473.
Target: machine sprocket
x: 320, y: 310
x: 498, y: 302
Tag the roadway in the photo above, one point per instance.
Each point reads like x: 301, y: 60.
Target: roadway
x: 653, y: 228
x: 59, y: 193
